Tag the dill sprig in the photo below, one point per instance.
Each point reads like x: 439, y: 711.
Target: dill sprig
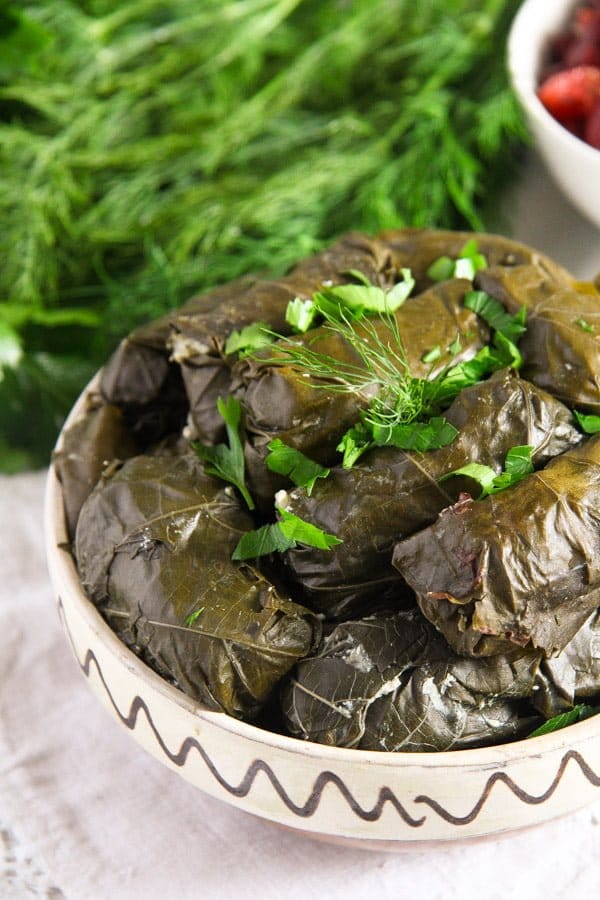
x: 152, y: 148
x: 382, y: 378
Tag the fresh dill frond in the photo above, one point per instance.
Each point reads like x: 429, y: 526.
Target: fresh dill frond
x: 382, y: 378
x: 153, y: 148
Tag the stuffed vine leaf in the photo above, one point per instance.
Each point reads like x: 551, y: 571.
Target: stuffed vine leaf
x: 418, y: 248
x: 561, y: 347
x: 153, y: 548
x: 98, y: 438
x: 198, y: 341
x: 519, y: 568
x: 281, y: 400
x: 390, y: 682
x: 144, y: 383
x: 574, y: 675
x: 391, y: 493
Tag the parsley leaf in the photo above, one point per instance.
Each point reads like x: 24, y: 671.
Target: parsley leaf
x: 356, y: 441
x: 577, y: 714
x: 466, y: 265
x: 585, y: 326
x: 348, y: 301
x: 300, y: 314
x: 588, y: 423
x: 494, y: 314
x: 420, y: 436
x: 291, y: 462
x: 517, y: 466
x: 227, y: 462
x: 250, y: 338
x: 441, y: 269
x: 283, y: 535
x: 194, y: 616
x: 432, y: 355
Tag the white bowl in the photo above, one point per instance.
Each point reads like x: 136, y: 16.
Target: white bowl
x: 574, y: 164
x: 369, y: 799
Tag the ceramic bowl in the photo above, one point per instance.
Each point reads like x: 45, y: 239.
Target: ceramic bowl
x: 369, y: 799
x: 574, y: 165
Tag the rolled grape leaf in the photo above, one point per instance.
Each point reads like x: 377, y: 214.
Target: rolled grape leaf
x: 519, y: 568
x: 561, y: 347
x: 198, y: 341
x: 419, y: 248
x: 283, y: 401
x: 141, y: 380
x: 390, y: 493
x: 574, y: 675
x: 456, y: 704
x: 390, y: 682
x: 88, y: 447
x: 153, y: 548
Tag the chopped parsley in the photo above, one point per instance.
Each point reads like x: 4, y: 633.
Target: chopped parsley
x: 348, y: 302
x: 585, y: 326
x: 249, y: 339
x: 227, y: 461
x: 285, y: 460
x: 193, y: 617
x: 576, y: 714
x: 466, y: 265
x: 517, y: 466
x: 285, y: 534
x: 589, y: 424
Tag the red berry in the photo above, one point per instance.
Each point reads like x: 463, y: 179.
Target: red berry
x: 571, y: 94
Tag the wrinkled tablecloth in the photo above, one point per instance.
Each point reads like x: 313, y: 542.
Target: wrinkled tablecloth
x: 86, y: 813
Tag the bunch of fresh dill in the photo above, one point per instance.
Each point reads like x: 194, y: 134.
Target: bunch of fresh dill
x: 152, y: 148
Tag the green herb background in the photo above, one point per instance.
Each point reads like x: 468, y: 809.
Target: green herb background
x: 152, y: 148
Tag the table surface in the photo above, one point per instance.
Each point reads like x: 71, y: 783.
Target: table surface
x: 85, y: 813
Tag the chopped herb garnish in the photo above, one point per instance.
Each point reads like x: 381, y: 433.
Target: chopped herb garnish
x: 420, y: 436
x: 358, y: 276
x: 585, y: 326
x: 432, y: 355
x: 577, y: 714
x: 517, y: 466
x: 282, y: 535
x: 194, y: 616
x: 456, y: 346
x: 494, y: 314
x: 345, y: 302
x: 589, y: 424
x: 441, y: 269
x: 250, y: 338
x: 356, y: 441
x: 291, y: 462
x: 227, y: 462
x: 466, y: 265
x: 300, y: 314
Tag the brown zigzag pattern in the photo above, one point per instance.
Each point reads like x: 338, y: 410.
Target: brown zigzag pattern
x: 307, y: 809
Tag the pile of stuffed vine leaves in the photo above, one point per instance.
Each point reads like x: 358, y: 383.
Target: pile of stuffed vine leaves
x: 357, y: 504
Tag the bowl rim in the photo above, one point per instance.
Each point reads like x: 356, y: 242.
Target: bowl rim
x: 61, y: 561
x: 534, y: 23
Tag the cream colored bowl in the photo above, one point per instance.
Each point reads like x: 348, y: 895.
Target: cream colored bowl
x: 574, y: 165
x: 374, y: 800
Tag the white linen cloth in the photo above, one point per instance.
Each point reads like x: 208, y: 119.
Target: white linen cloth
x: 86, y: 813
